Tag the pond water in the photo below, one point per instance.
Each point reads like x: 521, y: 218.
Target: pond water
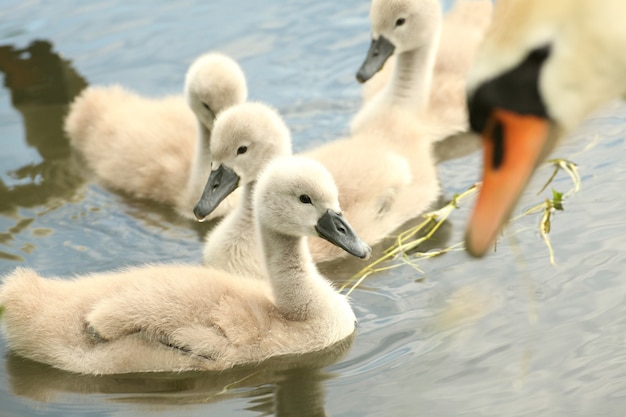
x: 509, y: 335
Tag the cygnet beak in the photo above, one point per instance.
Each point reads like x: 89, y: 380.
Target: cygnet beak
x: 335, y: 228
x: 221, y: 183
x: 380, y: 50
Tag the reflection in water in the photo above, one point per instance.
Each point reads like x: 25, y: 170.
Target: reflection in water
x: 456, y: 146
x: 42, y: 84
x: 287, y: 386
x: 301, y: 394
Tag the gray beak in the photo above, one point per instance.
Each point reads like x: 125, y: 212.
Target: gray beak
x: 335, y: 228
x: 380, y: 50
x: 220, y: 184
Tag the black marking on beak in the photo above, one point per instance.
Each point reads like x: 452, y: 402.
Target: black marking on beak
x: 498, y: 145
x: 516, y: 90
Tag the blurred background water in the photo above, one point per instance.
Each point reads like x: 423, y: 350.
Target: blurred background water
x: 507, y: 335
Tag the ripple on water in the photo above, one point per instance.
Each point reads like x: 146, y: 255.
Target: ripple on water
x: 507, y: 335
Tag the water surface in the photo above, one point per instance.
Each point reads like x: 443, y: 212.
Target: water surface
x: 510, y: 335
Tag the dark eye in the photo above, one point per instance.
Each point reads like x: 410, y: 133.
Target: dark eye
x: 400, y: 21
x: 305, y: 199
x: 206, y: 106
x: 241, y: 150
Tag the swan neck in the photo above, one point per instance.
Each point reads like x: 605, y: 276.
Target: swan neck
x: 201, y: 164
x: 203, y: 144
x: 299, y: 290
x: 248, y: 198
x: 412, y: 77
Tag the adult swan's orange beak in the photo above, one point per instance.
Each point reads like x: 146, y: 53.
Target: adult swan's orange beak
x: 517, y: 135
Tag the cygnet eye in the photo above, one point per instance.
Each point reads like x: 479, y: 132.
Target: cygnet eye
x: 305, y: 199
x: 400, y: 21
x: 242, y: 150
x: 206, y: 106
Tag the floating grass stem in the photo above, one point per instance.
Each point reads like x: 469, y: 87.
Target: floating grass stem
x: 544, y: 227
x: 235, y: 384
x: 567, y: 166
x: 550, y: 206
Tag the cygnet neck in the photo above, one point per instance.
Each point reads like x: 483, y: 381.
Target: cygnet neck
x: 246, y: 206
x: 201, y: 164
x: 411, y: 82
x: 299, y: 290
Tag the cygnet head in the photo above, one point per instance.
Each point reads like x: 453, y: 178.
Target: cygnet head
x: 297, y: 196
x: 213, y: 83
x: 399, y: 26
x: 245, y: 138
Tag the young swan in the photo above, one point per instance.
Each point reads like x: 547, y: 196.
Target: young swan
x: 245, y: 139
x: 386, y: 174
x: 157, y: 148
x: 179, y: 318
x: 543, y: 68
x: 385, y: 178
x: 410, y: 30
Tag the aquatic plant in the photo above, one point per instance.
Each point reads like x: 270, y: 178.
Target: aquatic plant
x: 404, y: 249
